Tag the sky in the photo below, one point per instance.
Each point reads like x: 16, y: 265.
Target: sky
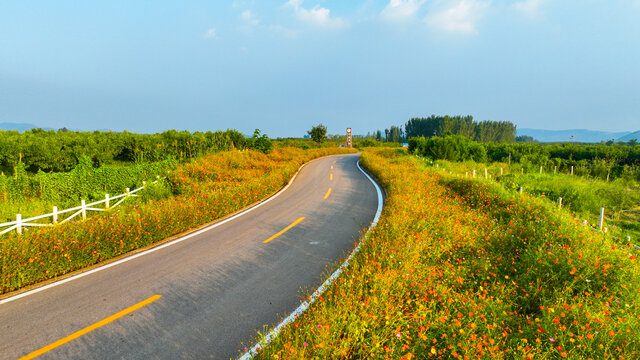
x: 285, y: 66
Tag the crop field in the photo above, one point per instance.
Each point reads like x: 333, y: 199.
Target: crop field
x: 461, y: 268
x: 202, y: 190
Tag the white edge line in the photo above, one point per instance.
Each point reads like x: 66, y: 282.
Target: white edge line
x: 146, y: 252
x: 305, y: 305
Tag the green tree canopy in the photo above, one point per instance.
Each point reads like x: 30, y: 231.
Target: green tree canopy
x: 318, y: 133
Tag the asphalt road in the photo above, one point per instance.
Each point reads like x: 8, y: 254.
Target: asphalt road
x: 203, y: 297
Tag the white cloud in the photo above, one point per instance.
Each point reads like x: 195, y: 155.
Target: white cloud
x: 317, y: 16
x: 460, y: 16
x: 401, y: 10
x: 211, y: 33
x: 530, y: 8
x: 248, y: 16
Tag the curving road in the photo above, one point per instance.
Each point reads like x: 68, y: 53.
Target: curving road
x: 205, y: 295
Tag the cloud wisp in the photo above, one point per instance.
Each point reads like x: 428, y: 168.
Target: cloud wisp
x: 529, y: 8
x: 399, y: 11
x: 460, y: 16
x: 249, y: 18
x: 209, y: 34
x: 317, y: 16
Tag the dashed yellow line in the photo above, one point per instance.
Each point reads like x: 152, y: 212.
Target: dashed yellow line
x: 327, y: 194
x: 331, y: 167
x: 330, y: 176
x: 90, y: 328
x: 284, y: 230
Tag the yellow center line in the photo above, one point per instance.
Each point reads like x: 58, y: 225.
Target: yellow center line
x: 331, y: 167
x: 284, y: 230
x: 90, y: 328
x: 327, y: 194
x: 330, y: 176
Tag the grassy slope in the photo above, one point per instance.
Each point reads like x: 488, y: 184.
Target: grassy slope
x: 585, y: 197
x: 460, y: 268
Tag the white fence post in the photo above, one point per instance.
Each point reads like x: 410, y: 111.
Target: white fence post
x: 128, y: 192
x: 601, y: 217
x: 474, y: 172
x: 554, y: 169
x: 84, y: 210
x: 55, y: 215
x: 522, y: 171
x: 19, y: 224
x: 541, y: 170
x: 500, y: 171
x: 520, y: 189
x: 466, y: 174
x: 571, y: 169
x: 485, y: 173
x: 106, y: 201
x: 560, y: 202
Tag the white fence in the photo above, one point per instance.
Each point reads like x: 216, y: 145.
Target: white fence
x: 81, y: 210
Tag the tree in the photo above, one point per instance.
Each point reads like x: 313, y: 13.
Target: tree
x: 526, y: 139
x: 261, y: 142
x: 318, y: 133
x: 379, y: 135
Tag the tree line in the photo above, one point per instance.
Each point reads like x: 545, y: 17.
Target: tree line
x: 480, y: 131
x: 61, y: 151
x: 596, y: 160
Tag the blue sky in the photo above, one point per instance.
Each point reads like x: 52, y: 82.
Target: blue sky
x: 283, y: 66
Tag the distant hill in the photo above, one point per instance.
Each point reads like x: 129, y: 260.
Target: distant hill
x: 633, y: 135
x: 19, y: 126
x: 579, y: 135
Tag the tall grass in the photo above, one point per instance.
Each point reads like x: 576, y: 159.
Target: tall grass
x: 459, y: 268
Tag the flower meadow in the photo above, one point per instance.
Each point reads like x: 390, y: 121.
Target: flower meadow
x: 584, y: 196
x: 207, y: 188
x: 462, y: 268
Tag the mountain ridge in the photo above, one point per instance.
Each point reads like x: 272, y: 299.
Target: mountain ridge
x: 577, y: 135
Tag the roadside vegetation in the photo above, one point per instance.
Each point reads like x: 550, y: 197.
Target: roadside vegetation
x: 194, y: 193
x: 582, y: 196
x: 462, y: 268
x: 41, y: 169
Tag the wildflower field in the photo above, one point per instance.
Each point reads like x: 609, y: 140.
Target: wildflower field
x: 583, y: 196
x: 206, y: 189
x: 461, y: 268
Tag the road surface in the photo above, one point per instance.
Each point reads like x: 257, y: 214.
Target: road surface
x: 204, y: 296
